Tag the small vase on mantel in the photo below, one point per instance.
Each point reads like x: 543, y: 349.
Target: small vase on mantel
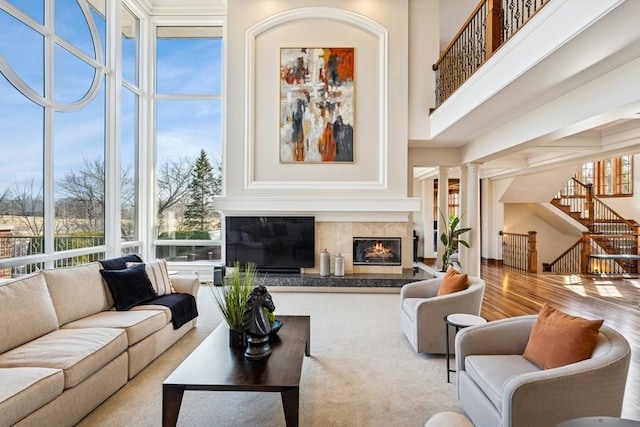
x: 237, y: 339
x: 325, y: 266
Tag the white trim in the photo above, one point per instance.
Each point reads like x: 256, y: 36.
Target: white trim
x: 358, y: 20
x: 328, y: 209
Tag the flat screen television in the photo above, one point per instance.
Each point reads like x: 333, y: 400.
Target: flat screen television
x: 276, y: 244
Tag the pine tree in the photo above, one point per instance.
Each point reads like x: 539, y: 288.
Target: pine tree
x: 203, y: 186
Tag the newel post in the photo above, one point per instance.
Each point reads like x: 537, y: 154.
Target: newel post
x: 533, y: 253
x: 494, y: 26
x: 589, y: 205
x: 585, y: 252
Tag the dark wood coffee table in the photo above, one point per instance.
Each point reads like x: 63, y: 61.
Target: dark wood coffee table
x: 215, y: 366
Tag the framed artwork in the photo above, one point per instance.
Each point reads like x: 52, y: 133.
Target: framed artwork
x: 316, y: 105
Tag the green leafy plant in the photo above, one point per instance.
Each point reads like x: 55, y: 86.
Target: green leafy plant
x: 450, y: 238
x: 271, y: 316
x: 233, y: 295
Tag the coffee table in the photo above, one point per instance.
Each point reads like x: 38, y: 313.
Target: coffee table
x: 215, y: 366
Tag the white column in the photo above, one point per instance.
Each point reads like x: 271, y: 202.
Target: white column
x: 473, y: 214
x: 427, y: 219
x: 463, y: 252
x: 443, y: 208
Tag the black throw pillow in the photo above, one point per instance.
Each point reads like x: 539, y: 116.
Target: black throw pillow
x: 119, y: 263
x: 129, y: 287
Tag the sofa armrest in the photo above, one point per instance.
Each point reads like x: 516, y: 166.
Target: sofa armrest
x: 506, y: 336
x: 594, y: 386
x: 186, y: 284
x: 421, y: 289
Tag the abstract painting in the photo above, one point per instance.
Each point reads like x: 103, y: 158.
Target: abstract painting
x: 316, y: 105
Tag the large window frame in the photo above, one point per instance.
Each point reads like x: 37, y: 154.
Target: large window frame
x: 55, y: 252
x: 213, y: 245
x: 610, y: 177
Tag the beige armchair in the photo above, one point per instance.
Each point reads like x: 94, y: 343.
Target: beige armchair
x: 497, y: 387
x: 423, y: 312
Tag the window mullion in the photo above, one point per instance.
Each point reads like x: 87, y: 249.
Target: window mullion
x: 49, y: 132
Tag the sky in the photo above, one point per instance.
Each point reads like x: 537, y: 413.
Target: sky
x: 185, y: 66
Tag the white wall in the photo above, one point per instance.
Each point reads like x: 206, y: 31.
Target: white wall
x: 378, y: 31
x: 551, y: 242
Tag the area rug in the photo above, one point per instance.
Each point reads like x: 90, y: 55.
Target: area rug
x: 362, y: 372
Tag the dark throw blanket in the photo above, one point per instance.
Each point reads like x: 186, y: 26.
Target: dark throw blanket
x: 183, y: 307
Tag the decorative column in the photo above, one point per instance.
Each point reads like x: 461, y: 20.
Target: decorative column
x: 463, y: 252
x: 473, y: 218
x: 443, y: 208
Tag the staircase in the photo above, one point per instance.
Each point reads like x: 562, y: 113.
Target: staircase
x: 610, y: 246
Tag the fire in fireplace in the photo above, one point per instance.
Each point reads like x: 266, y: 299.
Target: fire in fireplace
x: 376, y: 251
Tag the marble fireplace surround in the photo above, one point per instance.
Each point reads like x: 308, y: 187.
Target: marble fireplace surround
x: 337, y: 238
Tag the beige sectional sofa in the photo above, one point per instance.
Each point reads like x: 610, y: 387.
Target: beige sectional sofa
x: 64, y: 349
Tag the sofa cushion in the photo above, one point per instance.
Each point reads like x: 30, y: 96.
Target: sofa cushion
x: 491, y: 372
x: 27, y: 311
x: 453, y: 281
x: 129, y: 287
x: 78, y: 352
x: 559, y: 339
x: 154, y: 307
x: 137, y: 324
x: 119, y: 263
x: 76, y: 292
x: 24, y: 390
x: 158, y: 275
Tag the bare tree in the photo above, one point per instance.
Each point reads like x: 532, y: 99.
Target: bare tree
x: 4, y: 201
x: 29, y: 206
x: 173, y: 178
x: 84, y: 190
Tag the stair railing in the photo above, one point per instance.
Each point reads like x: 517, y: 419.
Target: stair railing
x: 489, y: 26
x: 569, y: 262
x: 519, y: 251
x: 611, y: 238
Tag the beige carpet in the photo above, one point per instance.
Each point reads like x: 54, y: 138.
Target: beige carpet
x: 362, y: 372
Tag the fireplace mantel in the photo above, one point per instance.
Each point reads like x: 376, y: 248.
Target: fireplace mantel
x: 325, y: 209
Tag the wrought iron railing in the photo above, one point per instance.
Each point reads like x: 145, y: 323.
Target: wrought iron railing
x: 519, y: 251
x: 488, y: 27
x: 611, y: 246
x: 568, y: 263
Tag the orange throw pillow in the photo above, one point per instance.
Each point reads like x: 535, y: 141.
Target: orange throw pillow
x: 453, y: 281
x: 559, y: 339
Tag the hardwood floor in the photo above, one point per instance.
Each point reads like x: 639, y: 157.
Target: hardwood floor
x: 512, y: 292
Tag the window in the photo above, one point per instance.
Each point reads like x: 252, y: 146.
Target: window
x: 610, y: 178
x: 53, y: 91
x: 129, y: 129
x: 188, y: 142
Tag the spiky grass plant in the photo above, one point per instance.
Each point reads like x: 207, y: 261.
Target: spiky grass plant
x: 233, y: 295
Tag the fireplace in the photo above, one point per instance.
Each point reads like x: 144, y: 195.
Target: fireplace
x: 377, y: 251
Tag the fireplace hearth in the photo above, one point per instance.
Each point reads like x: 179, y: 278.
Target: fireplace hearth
x: 377, y: 251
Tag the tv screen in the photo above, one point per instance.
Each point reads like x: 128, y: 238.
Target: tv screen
x: 273, y: 243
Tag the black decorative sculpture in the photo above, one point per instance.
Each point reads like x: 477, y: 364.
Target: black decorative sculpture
x: 256, y: 325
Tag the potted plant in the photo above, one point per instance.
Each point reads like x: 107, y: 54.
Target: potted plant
x: 232, y: 297
x: 450, y: 238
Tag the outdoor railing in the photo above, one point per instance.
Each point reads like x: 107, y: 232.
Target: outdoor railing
x: 519, y: 251
x: 22, y: 246
x: 490, y: 25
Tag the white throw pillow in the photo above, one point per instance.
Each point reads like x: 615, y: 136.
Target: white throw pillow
x: 158, y: 275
